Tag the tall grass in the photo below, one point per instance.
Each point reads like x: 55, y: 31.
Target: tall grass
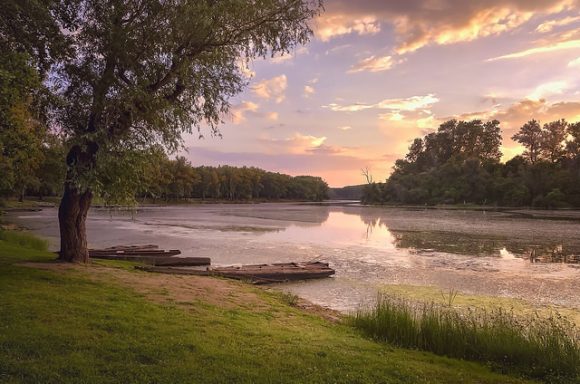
x: 546, y: 348
x: 24, y: 240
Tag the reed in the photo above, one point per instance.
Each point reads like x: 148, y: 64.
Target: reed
x: 540, y: 347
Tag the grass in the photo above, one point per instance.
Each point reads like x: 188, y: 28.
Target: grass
x: 63, y: 326
x: 546, y: 348
x: 24, y: 240
x: 464, y: 301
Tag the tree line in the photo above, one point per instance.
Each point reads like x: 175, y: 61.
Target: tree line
x: 37, y: 168
x: 460, y: 164
x: 178, y: 179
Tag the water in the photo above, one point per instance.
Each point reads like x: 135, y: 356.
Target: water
x: 522, y: 254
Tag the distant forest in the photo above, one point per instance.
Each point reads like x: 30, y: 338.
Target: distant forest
x: 149, y: 174
x: 460, y: 164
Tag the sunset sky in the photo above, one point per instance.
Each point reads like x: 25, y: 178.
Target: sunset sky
x: 377, y: 74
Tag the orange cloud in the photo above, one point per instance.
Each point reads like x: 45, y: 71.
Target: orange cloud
x: 273, y: 88
x: 424, y: 22
x: 239, y: 111
x: 548, y: 26
x: 339, y: 25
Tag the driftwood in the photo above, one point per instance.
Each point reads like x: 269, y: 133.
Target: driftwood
x: 158, y: 260
x: 258, y: 274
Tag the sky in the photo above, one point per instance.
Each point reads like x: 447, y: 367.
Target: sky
x: 377, y: 74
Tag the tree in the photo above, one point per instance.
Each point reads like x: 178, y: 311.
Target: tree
x: 21, y: 131
x: 530, y: 136
x: 573, y: 145
x: 553, y: 137
x: 490, y: 141
x: 415, y: 150
x: 143, y: 72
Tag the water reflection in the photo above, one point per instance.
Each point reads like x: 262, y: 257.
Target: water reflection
x: 473, y: 245
x: 364, y: 228
x: 339, y: 229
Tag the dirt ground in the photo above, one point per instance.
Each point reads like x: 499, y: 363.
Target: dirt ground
x: 182, y: 290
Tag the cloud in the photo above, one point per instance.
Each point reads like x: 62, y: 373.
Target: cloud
x: 548, y: 89
x: 397, y: 105
x: 239, y: 111
x: 571, y: 44
x: 308, y: 91
x: 345, y: 128
x: 373, y: 64
x: 574, y: 63
x: 348, y: 108
x: 273, y: 88
x: 297, y: 143
x: 339, y: 25
x: 408, y: 104
x: 419, y: 23
x: 548, y: 26
x: 393, y: 116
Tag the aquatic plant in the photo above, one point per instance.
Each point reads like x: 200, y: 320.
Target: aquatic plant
x: 542, y: 347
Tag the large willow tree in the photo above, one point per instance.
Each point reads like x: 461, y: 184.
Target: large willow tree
x: 132, y: 73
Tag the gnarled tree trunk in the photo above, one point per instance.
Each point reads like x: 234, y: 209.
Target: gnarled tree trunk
x: 72, y: 216
x: 74, y: 206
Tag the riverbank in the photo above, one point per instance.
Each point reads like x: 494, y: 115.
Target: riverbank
x: 105, y: 323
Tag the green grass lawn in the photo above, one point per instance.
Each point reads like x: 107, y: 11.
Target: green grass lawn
x: 62, y: 326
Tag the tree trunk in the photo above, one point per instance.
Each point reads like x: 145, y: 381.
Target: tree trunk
x: 75, y: 204
x: 72, y: 216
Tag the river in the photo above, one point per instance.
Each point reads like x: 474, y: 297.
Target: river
x: 532, y: 255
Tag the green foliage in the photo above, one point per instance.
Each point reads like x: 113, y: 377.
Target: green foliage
x: 66, y: 326
x: 127, y: 75
x: 539, y: 347
x: 459, y: 164
x: 21, y: 134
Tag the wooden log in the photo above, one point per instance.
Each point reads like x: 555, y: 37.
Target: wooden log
x: 174, y: 271
x: 144, y: 253
x: 160, y: 261
x: 182, y: 261
x: 132, y: 247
